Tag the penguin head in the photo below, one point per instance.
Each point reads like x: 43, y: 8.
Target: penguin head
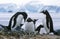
x: 24, y: 15
x: 44, y: 12
x: 29, y: 20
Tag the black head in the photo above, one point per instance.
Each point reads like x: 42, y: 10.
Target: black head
x: 44, y: 12
x: 29, y: 20
x: 24, y: 15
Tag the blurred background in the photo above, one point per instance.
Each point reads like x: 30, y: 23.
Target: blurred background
x: 32, y: 7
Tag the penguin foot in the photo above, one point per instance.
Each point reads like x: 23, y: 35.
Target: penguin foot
x: 51, y: 33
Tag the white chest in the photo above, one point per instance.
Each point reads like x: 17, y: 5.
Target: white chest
x: 29, y: 27
x: 18, y: 21
x: 45, y: 25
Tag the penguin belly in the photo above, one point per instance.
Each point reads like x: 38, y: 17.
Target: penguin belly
x: 43, y: 31
x: 45, y: 25
x: 29, y: 27
x: 18, y: 21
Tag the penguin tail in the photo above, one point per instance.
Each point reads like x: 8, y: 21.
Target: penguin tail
x: 56, y: 33
x: 2, y: 25
x: 6, y: 27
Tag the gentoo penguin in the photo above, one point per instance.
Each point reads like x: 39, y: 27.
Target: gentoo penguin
x: 29, y: 26
x: 16, y: 19
x: 48, y: 25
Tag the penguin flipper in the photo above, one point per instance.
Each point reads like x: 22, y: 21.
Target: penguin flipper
x: 39, y: 27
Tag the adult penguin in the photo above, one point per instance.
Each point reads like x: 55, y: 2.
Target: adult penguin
x: 17, y: 19
x: 48, y: 22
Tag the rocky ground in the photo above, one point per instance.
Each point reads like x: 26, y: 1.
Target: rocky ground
x: 30, y: 37
x: 22, y: 35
